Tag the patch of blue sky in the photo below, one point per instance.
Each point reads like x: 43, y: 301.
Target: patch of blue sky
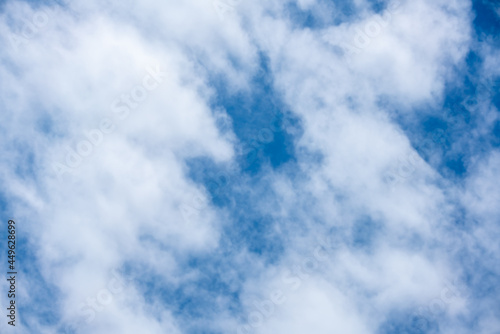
x: 260, y: 121
x: 493, y: 91
x: 258, y: 236
x: 364, y: 232
x: 481, y: 279
x: 220, y: 276
x: 327, y: 13
x: 308, y: 18
x: 25, y: 165
x: 483, y: 299
x: 461, y: 220
x: 23, y: 162
x: 50, y: 123
x: 4, y: 205
x: 487, y: 20
x: 43, y: 306
x: 399, y: 322
x: 217, y: 179
x: 196, y: 301
x: 447, y: 131
x: 378, y: 6
x: 250, y: 230
x: 485, y: 283
x: 495, y: 139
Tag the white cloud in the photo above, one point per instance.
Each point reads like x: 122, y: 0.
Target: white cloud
x: 121, y: 203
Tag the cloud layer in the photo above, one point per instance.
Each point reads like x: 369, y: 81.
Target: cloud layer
x: 252, y: 167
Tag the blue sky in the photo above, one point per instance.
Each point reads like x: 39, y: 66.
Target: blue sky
x: 257, y: 167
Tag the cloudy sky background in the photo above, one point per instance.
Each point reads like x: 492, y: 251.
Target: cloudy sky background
x: 237, y: 166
